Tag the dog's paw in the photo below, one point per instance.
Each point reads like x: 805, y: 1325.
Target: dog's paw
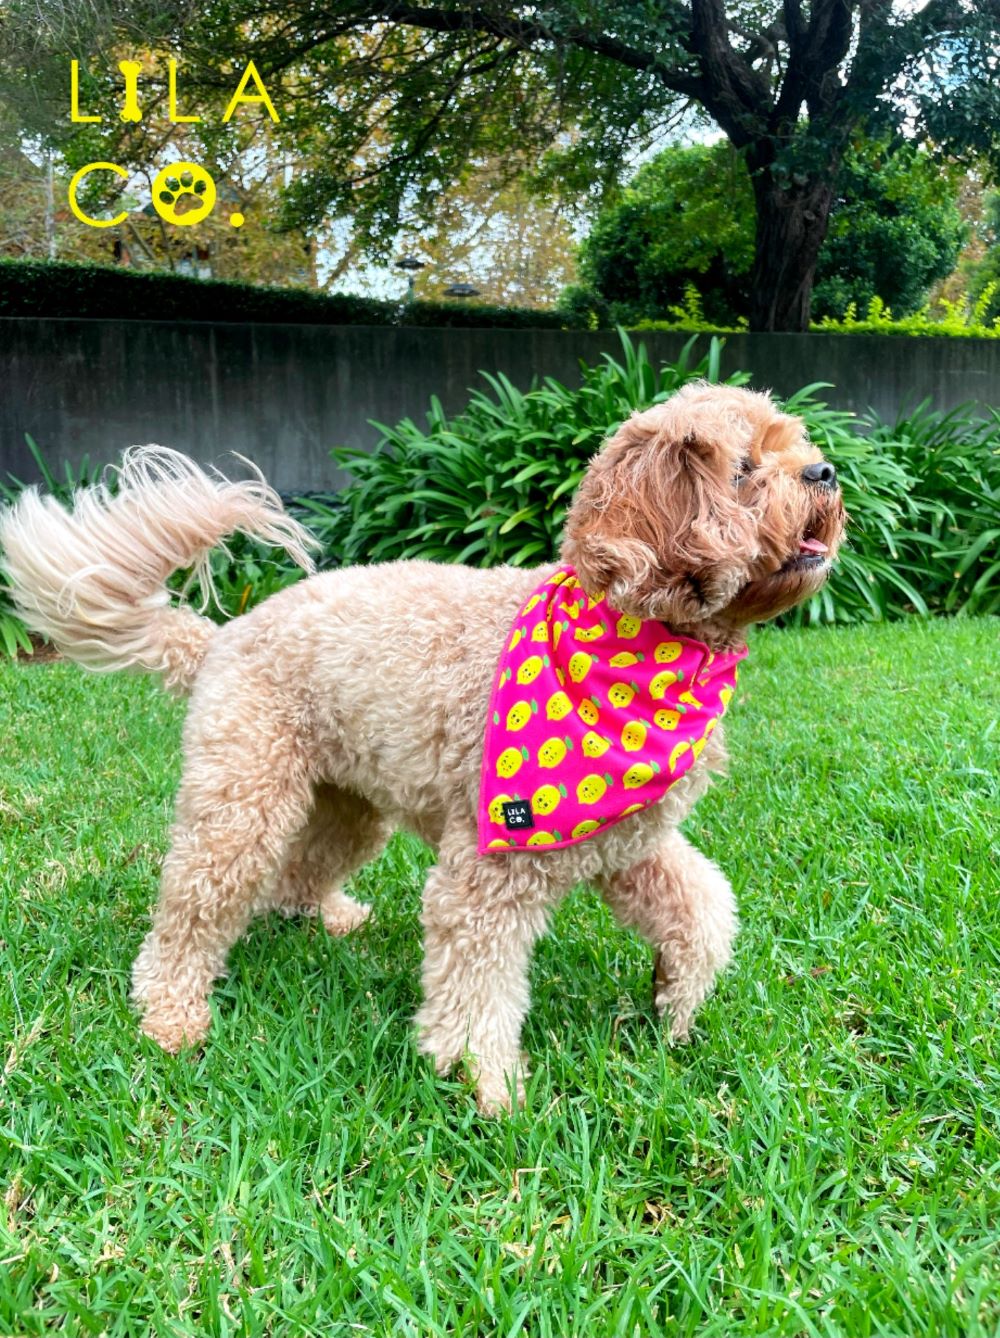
x: 679, y: 1031
x: 499, y: 1092
x: 342, y: 914
x: 669, y: 1003
x: 495, y: 1095
x: 175, y: 1027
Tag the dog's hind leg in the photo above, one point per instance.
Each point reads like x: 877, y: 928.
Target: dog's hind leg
x: 237, y: 811
x: 344, y: 832
x: 682, y: 903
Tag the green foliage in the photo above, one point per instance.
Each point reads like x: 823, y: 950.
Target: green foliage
x: 687, y: 218
x: 687, y: 221
x: 690, y: 315
x: 959, y: 319
x: 493, y: 484
x: 13, y: 634
x: 568, y: 89
x: 52, y: 289
x: 243, y: 574
x: 984, y: 277
x: 950, y: 539
x: 867, y: 582
x: 895, y: 230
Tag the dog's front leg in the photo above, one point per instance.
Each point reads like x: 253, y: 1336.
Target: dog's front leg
x: 481, y: 919
x: 682, y: 903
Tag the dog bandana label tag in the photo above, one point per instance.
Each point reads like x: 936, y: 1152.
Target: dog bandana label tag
x: 594, y: 715
x: 517, y: 815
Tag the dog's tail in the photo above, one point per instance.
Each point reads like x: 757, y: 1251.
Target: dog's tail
x: 92, y: 580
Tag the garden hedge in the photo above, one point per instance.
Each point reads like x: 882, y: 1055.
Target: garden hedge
x: 53, y: 289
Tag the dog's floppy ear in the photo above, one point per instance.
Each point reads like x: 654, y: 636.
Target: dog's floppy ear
x: 656, y: 524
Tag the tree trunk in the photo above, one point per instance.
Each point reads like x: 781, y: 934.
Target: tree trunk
x: 792, y: 220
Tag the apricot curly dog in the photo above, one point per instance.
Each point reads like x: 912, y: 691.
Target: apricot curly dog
x: 355, y: 703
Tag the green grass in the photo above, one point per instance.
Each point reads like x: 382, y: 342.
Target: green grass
x: 823, y: 1160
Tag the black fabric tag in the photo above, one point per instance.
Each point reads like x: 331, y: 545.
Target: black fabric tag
x: 517, y: 815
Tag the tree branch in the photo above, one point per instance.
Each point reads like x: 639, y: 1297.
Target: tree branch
x: 815, y: 52
x: 526, y: 34
x: 734, y: 93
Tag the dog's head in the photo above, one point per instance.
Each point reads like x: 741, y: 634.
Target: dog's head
x: 712, y: 506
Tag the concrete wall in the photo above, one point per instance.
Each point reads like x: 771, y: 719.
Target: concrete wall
x: 284, y: 394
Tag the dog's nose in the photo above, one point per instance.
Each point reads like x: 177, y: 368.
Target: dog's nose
x: 822, y: 473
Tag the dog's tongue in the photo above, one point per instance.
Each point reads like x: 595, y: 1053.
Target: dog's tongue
x: 812, y: 546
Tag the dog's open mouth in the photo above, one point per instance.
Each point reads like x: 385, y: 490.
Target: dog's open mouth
x: 812, y: 553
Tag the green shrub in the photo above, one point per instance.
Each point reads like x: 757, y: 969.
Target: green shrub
x: 952, y: 535
x: 868, y: 581
x: 959, y: 319
x: 963, y: 318
x: 493, y: 484
x: 53, y: 289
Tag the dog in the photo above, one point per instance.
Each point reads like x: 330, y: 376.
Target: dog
x: 352, y: 704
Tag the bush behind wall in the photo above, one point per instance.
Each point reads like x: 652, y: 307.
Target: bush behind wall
x: 52, y: 289
x: 492, y: 485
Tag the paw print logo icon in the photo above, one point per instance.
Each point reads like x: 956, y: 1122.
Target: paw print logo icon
x: 184, y: 194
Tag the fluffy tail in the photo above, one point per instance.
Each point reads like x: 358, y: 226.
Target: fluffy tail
x: 92, y: 580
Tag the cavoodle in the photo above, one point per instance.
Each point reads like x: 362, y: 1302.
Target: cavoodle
x: 365, y: 700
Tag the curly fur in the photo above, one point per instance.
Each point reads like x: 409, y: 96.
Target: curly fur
x: 306, y: 744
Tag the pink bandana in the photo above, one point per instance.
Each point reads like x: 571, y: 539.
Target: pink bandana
x: 594, y: 715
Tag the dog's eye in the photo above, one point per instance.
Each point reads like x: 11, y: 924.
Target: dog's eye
x: 743, y: 469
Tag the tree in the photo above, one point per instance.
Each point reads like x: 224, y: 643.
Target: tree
x: 984, y: 277
x: 895, y: 230
x: 514, y: 248
x: 386, y: 101
x: 687, y: 218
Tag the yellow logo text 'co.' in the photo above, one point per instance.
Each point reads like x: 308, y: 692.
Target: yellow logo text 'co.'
x: 173, y: 184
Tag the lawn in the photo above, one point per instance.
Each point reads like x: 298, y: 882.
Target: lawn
x: 824, y: 1159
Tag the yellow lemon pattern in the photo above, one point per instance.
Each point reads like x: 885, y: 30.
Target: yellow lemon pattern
x: 621, y: 694
x: 667, y: 718
x: 593, y: 787
x: 546, y: 799
x: 668, y: 651
x: 633, y: 736
x: 589, y: 711
x: 661, y: 683
x: 594, y: 715
x: 519, y: 714
x: 558, y: 706
x: 531, y: 668
x: 579, y: 666
x: 553, y: 751
x: 585, y: 828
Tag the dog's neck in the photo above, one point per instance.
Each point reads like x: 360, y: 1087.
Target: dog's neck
x: 718, y: 634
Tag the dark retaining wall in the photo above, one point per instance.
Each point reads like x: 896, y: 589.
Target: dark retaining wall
x: 284, y: 394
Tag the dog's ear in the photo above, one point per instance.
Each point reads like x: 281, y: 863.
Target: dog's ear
x: 657, y: 524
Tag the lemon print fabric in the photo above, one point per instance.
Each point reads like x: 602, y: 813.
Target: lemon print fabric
x: 595, y: 713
